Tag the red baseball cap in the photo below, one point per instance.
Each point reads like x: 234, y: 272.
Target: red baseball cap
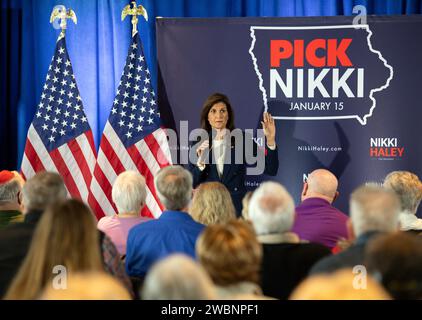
x: 6, y: 176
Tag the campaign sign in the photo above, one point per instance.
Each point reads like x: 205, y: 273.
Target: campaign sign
x: 317, y: 74
x: 345, y: 97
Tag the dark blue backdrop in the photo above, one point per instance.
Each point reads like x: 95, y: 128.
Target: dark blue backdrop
x: 98, y: 45
x: 224, y: 55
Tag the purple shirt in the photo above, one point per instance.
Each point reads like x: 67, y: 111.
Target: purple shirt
x: 118, y: 228
x: 318, y: 221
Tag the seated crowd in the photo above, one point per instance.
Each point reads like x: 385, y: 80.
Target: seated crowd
x: 52, y: 247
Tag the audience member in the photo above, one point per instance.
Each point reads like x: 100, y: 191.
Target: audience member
x: 11, y: 184
x: 341, y: 285
x: 38, y: 192
x: 66, y: 237
x: 231, y: 255
x: 373, y: 210
x: 396, y: 260
x: 316, y: 218
x: 245, y: 205
x: 286, y: 261
x: 212, y: 203
x: 408, y: 188
x: 173, y: 232
x: 177, y: 277
x: 129, y: 194
x: 88, y: 286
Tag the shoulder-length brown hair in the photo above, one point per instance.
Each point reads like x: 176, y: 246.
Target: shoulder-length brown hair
x: 66, y: 235
x: 212, y: 100
x: 230, y: 253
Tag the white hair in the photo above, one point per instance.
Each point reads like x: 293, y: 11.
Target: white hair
x: 408, y: 188
x: 129, y: 192
x: 374, y: 208
x: 177, y: 277
x: 174, y: 187
x: 271, y: 209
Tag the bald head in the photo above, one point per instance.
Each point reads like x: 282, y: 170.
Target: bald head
x: 321, y: 183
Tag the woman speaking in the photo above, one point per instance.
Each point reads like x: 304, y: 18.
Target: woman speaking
x: 216, y: 154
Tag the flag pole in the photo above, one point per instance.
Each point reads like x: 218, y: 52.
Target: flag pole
x: 135, y: 11
x: 60, y: 13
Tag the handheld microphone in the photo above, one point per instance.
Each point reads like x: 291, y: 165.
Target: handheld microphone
x: 204, y: 157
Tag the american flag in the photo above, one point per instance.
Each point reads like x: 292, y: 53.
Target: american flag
x: 59, y: 137
x: 132, y: 138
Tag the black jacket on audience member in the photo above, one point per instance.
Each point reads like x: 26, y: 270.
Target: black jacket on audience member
x: 285, y: 265
x: 349, y: 258
x: 14, y: 244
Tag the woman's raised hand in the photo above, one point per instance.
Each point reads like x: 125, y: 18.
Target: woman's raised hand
x: 268, y: 126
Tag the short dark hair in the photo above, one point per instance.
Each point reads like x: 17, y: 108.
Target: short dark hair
x: 212, y: 100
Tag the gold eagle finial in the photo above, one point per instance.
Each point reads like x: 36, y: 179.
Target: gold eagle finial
x: 60, y: 13
x: 135, y: 11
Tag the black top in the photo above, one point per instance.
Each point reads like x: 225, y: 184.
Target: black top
x: 14, y: 244
x: 349, y: 258
x: 285, y: 265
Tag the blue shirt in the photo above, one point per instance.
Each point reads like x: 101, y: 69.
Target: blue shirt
x: 172, y: 232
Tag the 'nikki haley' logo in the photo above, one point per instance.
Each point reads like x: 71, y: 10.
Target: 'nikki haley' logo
x: 385, y: 149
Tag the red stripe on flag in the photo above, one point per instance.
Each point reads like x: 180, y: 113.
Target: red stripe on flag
x: 111, y: 156
x: 144, y: 170
x: 90, y: 139
x: 145, y: 212
x: 81, y: 161
x: 154, y: 146
x: 104, y: 184
x: 64, y: 172
x: 95, y: 206
x: 32, y: 156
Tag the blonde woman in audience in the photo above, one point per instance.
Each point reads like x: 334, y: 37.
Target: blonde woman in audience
x: 245, y: 205
x: 212, y: 203
x: 231, y: 254
x: 178, y: 277
x: 88, y: 286
x: 129, y: 194
x: 67, y: 236
x: 408, y: 188
x: 344, y: 284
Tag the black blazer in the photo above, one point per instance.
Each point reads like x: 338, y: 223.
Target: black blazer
x: 14, y: 244
x: 233, y: 176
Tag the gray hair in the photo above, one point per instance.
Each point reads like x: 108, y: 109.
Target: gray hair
x: 43, y: 189
x: 271, y: 209
x: 174, y: 187
x: 9, y: 191
x: 177, y: 277
x: 408, y: 188
x: 129, y: 192
x: 374, y: 208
